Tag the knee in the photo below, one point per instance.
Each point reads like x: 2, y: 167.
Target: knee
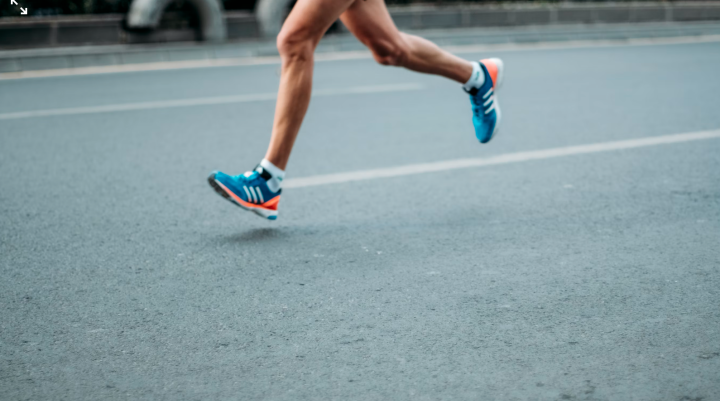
x: 389, y: 52
x: 295, y: 45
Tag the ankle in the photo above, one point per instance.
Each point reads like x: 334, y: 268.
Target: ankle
x: 276, y: 174
x: 477, y: 78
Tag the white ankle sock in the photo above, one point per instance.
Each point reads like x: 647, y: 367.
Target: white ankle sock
x: 274, y: 183
x: 477, y: 78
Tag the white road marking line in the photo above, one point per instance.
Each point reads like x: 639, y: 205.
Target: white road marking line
x: 140, y: 67
x: 165, y: 104
x: 352, y: 55
x: 518, y: 157
x: 591, y: 43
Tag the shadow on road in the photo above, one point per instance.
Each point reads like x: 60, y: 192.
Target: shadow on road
x: 256, y: 235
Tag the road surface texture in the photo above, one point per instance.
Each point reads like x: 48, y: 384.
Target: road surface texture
x: 583, y: 275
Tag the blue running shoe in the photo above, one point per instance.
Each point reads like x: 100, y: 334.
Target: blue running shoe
x: 485, y: 107
x: 249, y: 191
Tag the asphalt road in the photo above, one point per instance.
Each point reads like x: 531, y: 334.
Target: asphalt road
x: 585, y: 277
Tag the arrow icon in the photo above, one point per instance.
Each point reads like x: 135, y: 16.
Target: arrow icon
x: 13, y: 2
x: 23, y: 11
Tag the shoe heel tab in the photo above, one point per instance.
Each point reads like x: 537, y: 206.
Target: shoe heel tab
x: 495, y: 68
x: 263, y: 173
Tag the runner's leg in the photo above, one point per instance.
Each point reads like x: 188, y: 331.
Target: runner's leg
x: 370, y: 22
x: 300, y: 34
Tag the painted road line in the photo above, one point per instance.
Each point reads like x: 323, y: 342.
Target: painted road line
x: 166, y: 104
x: 518, y: 157
x: 353, y: 55
x: 155, y: 66
x: 579, y: 44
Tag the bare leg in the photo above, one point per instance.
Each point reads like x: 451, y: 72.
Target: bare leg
x: 370, y: 22
x: 296, y: 43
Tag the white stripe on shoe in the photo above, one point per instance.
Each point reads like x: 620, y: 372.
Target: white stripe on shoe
x: 259, y: 193
x: 247, y: 193
x: 491, y: 108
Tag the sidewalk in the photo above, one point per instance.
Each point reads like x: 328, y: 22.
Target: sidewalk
x: 15, y: 61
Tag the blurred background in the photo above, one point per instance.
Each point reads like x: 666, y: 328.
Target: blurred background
x: 53, y: 23
x: 76, y: 7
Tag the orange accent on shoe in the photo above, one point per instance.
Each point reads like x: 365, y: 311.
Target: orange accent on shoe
x: 269, y: 205
x: 272, y: 204
x: 492, y: 69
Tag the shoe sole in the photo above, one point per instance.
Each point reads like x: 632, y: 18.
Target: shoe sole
x: 496, y: 87
x: 221, y: 190
x: 500, y: 74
